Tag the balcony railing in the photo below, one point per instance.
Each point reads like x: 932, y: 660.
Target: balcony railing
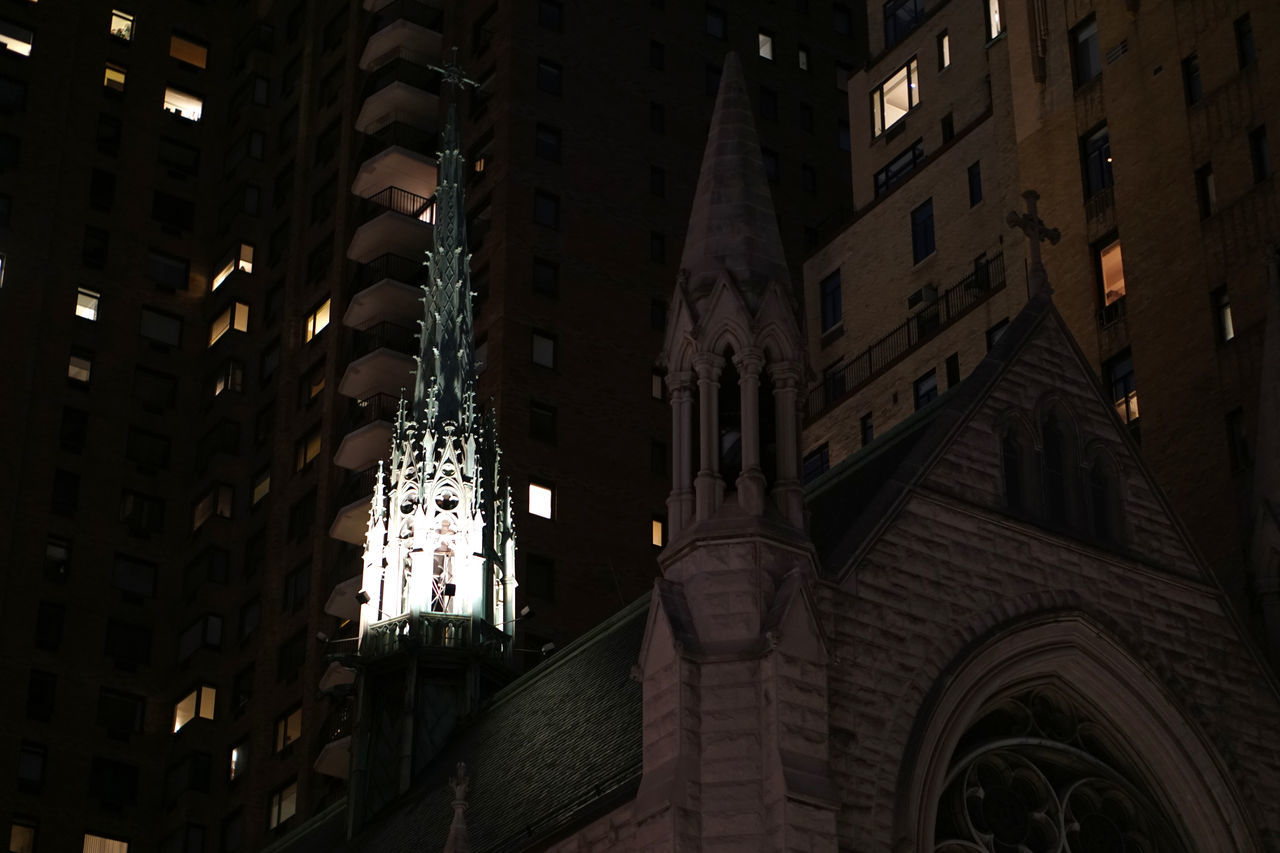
x: 395, y: 267
x: 1111, y: 314
x: 435, y: 631
x: 402, y: 71
x: 404, y: 135
x: 342, y: 719
x: 957, y: 301
x: 384, y: 335
x: 376, y: 407
x: 359, y: 485
x: 400, y: 201
x: 407, y: 10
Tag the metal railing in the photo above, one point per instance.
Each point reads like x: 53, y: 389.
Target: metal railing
x: 424, y: 142
x: 400, y: 201
x: 385, y: 335
x: 359, y: 485
x: 402, y: 71
x: 342, y: 719
x: 1100, y: 203
x: 443, y: 631
x: 407, y: 10
x: 923, y: 326
x: 396, y: 267
x: 376, y: 407
x: 1111, y: 314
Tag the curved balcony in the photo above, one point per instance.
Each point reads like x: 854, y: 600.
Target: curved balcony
x: 396, y: 166
x: 381, y: 362
x: 396, y: 222
x: 352, y: 521
x: 404, y: 28
x: 387, y: 288
x: 400, y: 91
x: 335, y: 757
x: 370, y: 439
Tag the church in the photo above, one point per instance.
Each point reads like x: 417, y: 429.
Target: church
x: 985, y: 632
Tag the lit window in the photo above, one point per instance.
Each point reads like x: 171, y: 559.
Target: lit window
x: 261, y: 487
x: 121, y: 25
x: 541, y: 499
x: 235, y: 317
x: 1222, y: 308
x: 994, y: 27
x: 656, y: 529
x: 944, y: 50
x: 895, y: 97
x: 101, y: 844
x: 217, y: 501
x: 183, y: 104
x: 113, y: 77
x: 22, y: 838
x: 1111, y: 264
x: 198, y: 703
x: 239, y: 761
x: 284, y: 805
x: 79, y: 368
x: 316, y: 321
x: 802, y: 58
x: 230, y: 377
x: 15, y: 38
x: 87, y: 303
x: 238, y: 261
x: 288, y: 728
x: 1124, y: 391
x: 185, y: 50
x: 544, y: 350
x: 307, y: 449
x: 765, y: 40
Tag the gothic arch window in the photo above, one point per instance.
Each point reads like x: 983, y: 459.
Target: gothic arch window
x: 1037, y: 773
x: 730, y: 406
x: 1058, y: 469
x: 1018, y: 468
x: 1105, y: 518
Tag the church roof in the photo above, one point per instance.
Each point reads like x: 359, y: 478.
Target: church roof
x: 733, y: 226
x: 554, y: 749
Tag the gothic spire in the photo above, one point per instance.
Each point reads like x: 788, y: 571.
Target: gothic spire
x: 445, y: 339
x: 732, y: 226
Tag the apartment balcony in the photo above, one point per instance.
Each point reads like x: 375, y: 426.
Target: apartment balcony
x: 352, y: 521
x: 400, y: 91
x: 395, y: 166
x: 396, y: 222
x: 370, y: 438
x: 385, y: 289
x: 398, y: 134
x: 404, y: 28
x: 335, y: 757
x: 381, y: 363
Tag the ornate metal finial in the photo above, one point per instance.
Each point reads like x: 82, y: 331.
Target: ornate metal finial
x: 453, y: 75
x: 1033, y: 226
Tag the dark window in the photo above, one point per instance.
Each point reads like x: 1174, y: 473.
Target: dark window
x: 74, y: 430
x: 1055, y: 470
x: 657, y: 246
x: 172, y: 212
x: 179, y: 158
x: 806, y: 116
x: 1096, y: 154
x: 842, y: 19
x: 549, y: 76
x: 546, y: 209
x: 1246, y: 52
x: 129, y: 645
x: 546, y: 277
x: 1237, y: 440
x: 153, y: 390
x: 539, y: 577
x: 658, y: 458
x: 975, y: 183
x: 167, y: 270
x: 953, y: 370
x: 242, y: 687
x: 772, y: 167
x: 290, y: 657
x: 866, y: 429
x: 302, y: 514
x: 1124, y: 391
x: 120, y: 713
x: 1259, y: 155
x: 1191, y: 84
x: 160, y: 328
x: 808, y: 178
x: 547, y: 143
x: 657, y: 118
x: 1012, y: 453
x: 42, y: 691
x: 550, y: 14
x: 829, y: 300
x: 658, y: 314
x: 814, y: 464
x: 657, y: 56
x: 50, y: 619
x: 900, y: 18
x: 717, y: 23
x: 948, y: 128
x: 768, y: 104
x: 996, y: 332
x: 711, y: 79
x: 31, y: 761
x: 96, y: 243
x: 925, y: 389
x: 657, y: 181
x: 133, y: 576
x: 843, y: 140
x: 102, y: 189
x: 1084, y: 53
x: 922, y: 245
x: 142, y: 514
x: 110, y: 132
x: 66, y: 493
x: 297, y: 586
x: 899, y: 168
x: 542, y: 421
x: 1206, y: 195
x: 250, y: 617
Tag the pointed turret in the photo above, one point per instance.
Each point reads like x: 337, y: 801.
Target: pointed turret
x: 733, y: 227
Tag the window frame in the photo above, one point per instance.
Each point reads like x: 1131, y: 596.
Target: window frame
x: 911, y: 80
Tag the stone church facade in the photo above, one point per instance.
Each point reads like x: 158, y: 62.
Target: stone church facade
x: 984, y: 632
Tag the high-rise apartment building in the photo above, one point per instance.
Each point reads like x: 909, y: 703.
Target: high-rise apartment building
x: 1143, y: 128
x: 212, y: 219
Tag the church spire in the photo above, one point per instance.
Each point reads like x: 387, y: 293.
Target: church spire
x: 732, y: 226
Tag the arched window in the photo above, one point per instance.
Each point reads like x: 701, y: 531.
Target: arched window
x: 1037, y: 774
x: 768, y: 430
x: 1058, y: 471
x: 1104, y: 500
x: 1013, y: 452
x: 730, y: 406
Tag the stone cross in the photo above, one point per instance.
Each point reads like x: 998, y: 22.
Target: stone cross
x: 453, y: 75
x: 1033, y: 226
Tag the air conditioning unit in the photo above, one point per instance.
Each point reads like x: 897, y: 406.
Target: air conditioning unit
x: 928, y: 293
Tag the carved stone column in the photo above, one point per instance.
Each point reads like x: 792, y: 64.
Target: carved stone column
x: 751, y: 481
x: 788, y: 494
x: 680, y: 502
x: 708, y: 485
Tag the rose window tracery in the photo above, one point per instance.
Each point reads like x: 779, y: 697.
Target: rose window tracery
x: 1035, y: 774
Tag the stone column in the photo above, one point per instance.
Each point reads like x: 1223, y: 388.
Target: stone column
x: 751, y: 481
x: 788, y: 493
x: 708, y: 487
x: 680, y: 502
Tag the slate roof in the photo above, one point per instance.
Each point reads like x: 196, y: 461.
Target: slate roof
x: 555, y: 749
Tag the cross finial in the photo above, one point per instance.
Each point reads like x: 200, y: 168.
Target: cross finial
x: 1033, y: 226
x: 453, y: 75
